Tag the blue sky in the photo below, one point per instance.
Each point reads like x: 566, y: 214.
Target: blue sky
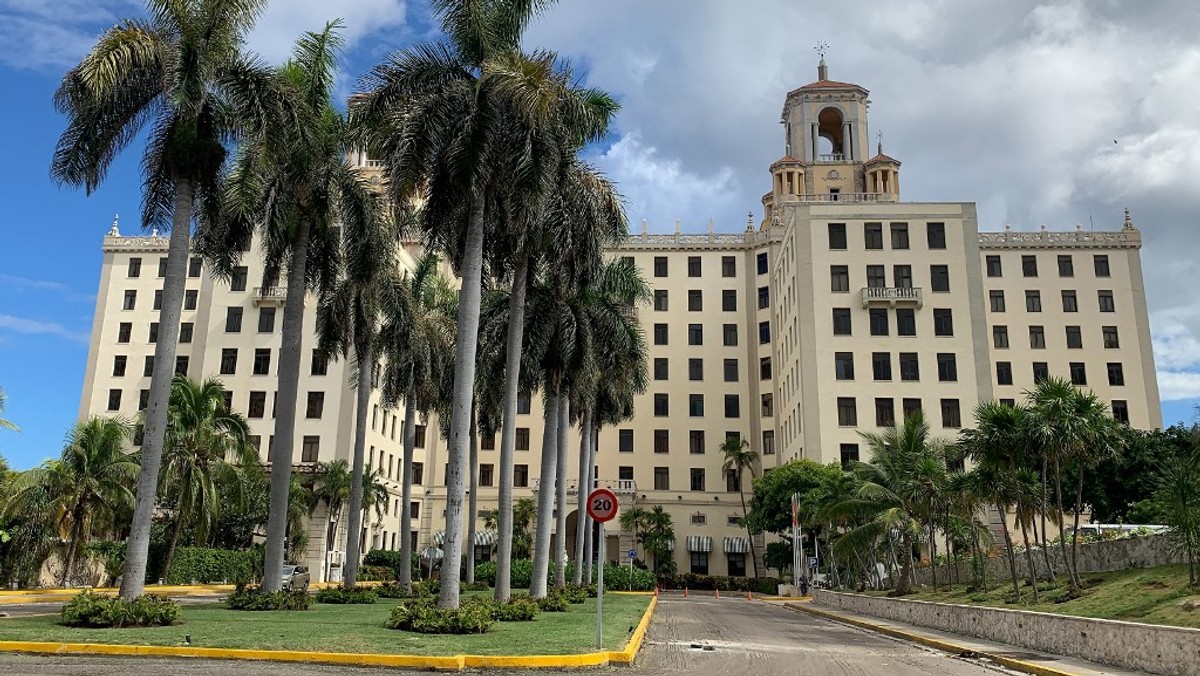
x: 1012, y: 105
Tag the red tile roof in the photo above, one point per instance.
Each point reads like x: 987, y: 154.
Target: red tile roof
x: 830, y: 84
x: 882, y: 158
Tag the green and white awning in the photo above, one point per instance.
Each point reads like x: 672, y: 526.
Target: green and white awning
x: 737, y: 545
x: 439, y: 537
x: 485, y: 538
x: 432, y: 554
x: 699, y: 543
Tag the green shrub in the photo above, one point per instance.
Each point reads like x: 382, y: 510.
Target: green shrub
x: 257, y: 598
x: 428, y: 587
x: 89, y: 609
x: 516, y: 609
x: 392, y: 590
x: 199, y: 564
x: 486, y: 573
x: 758, y: 585
x: 618, y: 578
x: 361, y: 595
x: 474, y: 586
x: 475, y: 616
x: 375, y: 573
x: 555, y: 601
x: 393, y: 560
x: 575, y: 595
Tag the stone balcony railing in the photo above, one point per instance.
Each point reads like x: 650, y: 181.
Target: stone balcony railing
x: 830, y: 198
x: 891, y: 295
x: 618, y: 486
x: 269, y: 295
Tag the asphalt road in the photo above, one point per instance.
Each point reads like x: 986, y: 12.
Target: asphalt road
x: 687, y: 636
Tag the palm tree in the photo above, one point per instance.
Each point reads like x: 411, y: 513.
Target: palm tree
x: 5, y: 424
x: 85, y: 488
x: 206, y: 444
x: 474, y: 124
x: 417, y: 340
x: 295, y: 186
x: 738, y: 459
x: 181, y: 72
x: 633, y: 519
x: 332, y: 486
x: 524, y: 511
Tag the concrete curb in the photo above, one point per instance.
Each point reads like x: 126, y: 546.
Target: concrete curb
x: 437, y: 663
x: 929, y: 641
x: 64, y: 595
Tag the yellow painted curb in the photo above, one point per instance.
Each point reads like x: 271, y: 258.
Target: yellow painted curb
x: 440, y: 663
x: 937, y: 644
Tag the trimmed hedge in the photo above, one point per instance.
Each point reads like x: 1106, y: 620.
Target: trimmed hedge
x: 516, y: 609
x: 616, y: 578
x: 385, y: 558
x: 474, y: 616
x: 375, y: 574
x: 89, y: 609
x: 359, y: 595
x: 758, y: 585
x: 257, y: 598
x: 202, y: 564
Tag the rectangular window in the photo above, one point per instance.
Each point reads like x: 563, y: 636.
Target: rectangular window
x: 1120, y: 409
x: 130, y: 300
x: 764, y: 333
x: 910, y: 406
x: 660, y: 334
x: 143, y: 400
x: 162, y: 267
x: 418, y: 476
x: 520, y: 476
x: 258, y: 405
x: 233, y: 320
x: 1074, y: 338
x: 661, y: 405
x: 486, y: 474
x: 935, y: 235
x: 1101, y: 265
x: 728, y: 300
x: 661, y: 368
x: 315, y: 406
x: 939, y: 277
x: 943, y: 322
x: 768, y: 447
x: 135, y: 267
x: 418, y: 434
x: 660, y: 266
x: 873, y: 234
x: 697, y: 478
x: 1116, y: 374
x: 841, y: 321
x: 695, y: 300
x: 660, y: 300
x: 764, y: 297
x: 148, y: 366
x: 157, y: 299
x: 902, y: 276
x: 847, y: 412
x: 849, y: 455
x: 1106, y: 301
x: 768, y: 405
x: 837, y: 236
x: 153, y: 337
x: 885, y: 412
x: 1111, y: 340
x: 879, y: 321
x: 947, y: 367
x: 843, y: 365
x: 625, y: 473
x: 876, y: 277
x: 695, y: 368
x: 1004, y: 373
x: 311, y: 449
x: 899, y: 235
x: 733, y: 406
x: 1033, y: 301
x: 731, y: 370
x: 950, y: 413
x: 190, y: 298
x: 993, y: 266
x: 699, y: 563
x: 910, y: 366
x: 119, y: 363
x: 487, y: 442
x: 237, y: 281
x: 625, y: 440
x: 1066, y: 266
x: 730, y: 335
x: 996, y: 298
x: 662, y: 478
x: 1078, y: 373
x: 761, y: 261
x: 693, y: 266
x: 228, y: 361
x: 320, y: 363
x: 521, y: 442
x: 839, y: 279
x: 696, y: 405
x: 728, y: 266
x: 1037, y: 337
x: 1041, y: 371
x: 1000, y: 336
x: 266, y: 320
x: 1029, y: 266
x: 114, y: 400
x: 881, y: 365
x: 695, y: 334
x: 185, y: 332
x: 1069, y: 302
x: 262, y: 362
x: 906, y: 322
x: 195, y: 265
x: 696, y: 442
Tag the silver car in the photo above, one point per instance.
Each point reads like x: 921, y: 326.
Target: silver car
x: 295, y: 578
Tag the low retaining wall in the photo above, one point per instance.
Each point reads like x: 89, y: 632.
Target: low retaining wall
x: 1145, y: 647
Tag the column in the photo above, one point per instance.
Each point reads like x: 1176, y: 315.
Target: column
x: 812, y: 142
x: 847, y: 144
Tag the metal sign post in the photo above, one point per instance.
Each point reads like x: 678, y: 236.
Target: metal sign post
x: 796, y: 553
x: 602, y: 507
x: 632, y: 556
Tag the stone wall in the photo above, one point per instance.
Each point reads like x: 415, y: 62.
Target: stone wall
x: 1145, y: 647
x: 1095, y: 557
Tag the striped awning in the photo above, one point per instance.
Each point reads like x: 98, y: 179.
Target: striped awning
x: 432, y: 554
x: 485, y: 538
x: 439, y: 537
x: 699, y: 543
x: 737, y: 545
x: 671, y: 545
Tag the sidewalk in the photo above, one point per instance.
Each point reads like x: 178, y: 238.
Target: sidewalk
x: 1013, y: 657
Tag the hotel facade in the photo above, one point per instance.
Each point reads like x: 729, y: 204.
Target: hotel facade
x: 838, y: 311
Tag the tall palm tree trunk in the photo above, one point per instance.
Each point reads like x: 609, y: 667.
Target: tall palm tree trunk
x: 472, y: 499
x: 73, y: 547
x: 590, y: 526
x: 1029, y: 561
x: 133, y: 580
x: 749, y: 535
x: 362, y: 401
x: 560, y: 488
x: 904, y: 580
x: 406, y: 544
x: 176, y: 530
x: 541, y: 540
x: 508, y: 433
x: 1062, y: 533
x: 1008, y: 545
x: 285, y: 415
x: 1075, y: 531
x: 581, y: 519
x: 464, y: 389
x: 933, y: 567
x: 1044, y: 506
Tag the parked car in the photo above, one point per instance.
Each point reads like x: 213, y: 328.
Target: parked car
x: 295, y: 578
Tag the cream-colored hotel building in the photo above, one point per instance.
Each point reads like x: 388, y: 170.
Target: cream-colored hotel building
x: 839, y: 311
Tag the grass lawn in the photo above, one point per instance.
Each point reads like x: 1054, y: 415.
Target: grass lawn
x: 1137, y: 595
x: 356, y: 629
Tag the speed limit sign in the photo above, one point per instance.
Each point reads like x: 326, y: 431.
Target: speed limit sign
x: 602, y: 505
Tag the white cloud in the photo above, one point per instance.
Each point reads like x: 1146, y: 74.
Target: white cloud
x: 1178, y: 385
x: 284, y: 21
x: 34, y: 326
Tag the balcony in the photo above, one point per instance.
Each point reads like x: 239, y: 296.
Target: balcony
x: 891, y: 295
x: 831, y: 157
x: 618, y: 486
x: 269, y: 295
x: 831, y: 197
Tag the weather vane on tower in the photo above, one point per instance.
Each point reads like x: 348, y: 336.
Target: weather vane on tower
x: 821, y: 48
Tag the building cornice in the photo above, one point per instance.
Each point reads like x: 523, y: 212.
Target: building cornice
x: 1127, y: 238
x: 701, y: 242
x: 147, y: 244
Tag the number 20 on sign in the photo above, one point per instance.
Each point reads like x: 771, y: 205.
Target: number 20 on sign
x: 602, y: 505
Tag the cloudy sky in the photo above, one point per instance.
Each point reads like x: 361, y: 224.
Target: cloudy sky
x: 1055, y: 113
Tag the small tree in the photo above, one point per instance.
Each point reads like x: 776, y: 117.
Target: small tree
x: 1178, y: 498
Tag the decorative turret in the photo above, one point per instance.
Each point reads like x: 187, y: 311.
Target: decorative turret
x: 883, y: 175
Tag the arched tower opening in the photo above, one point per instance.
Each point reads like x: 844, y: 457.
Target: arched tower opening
x: 831, y: 128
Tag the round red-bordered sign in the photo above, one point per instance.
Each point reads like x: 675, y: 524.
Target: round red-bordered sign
x: 602, y: 505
